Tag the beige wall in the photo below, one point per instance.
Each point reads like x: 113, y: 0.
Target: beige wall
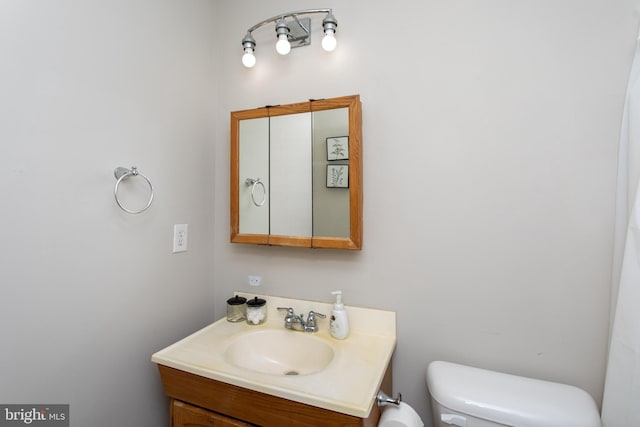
x: 88, y: 292
x: 490, y: 143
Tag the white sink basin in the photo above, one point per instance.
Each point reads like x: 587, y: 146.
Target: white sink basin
x: 280, y: 352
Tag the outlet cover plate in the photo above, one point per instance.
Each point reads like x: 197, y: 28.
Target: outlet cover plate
x: 180, y: 237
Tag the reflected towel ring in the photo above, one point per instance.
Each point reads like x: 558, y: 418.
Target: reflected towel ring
x: 254, y: 183
x: 122, y: 174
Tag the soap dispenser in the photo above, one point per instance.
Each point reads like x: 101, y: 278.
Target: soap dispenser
x: 339, y: 322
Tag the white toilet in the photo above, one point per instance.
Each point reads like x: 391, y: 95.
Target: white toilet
x: 470, y: 397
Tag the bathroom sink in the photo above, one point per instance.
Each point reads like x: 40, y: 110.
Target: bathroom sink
x: 303, y: 367
x: 280, y: 352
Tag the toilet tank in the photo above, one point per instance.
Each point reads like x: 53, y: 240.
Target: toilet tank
x: 470, y: 397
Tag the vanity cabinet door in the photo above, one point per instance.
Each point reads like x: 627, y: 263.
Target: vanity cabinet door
x: 184, y: 415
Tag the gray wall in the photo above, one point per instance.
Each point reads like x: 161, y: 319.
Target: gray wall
x: 89, y: 292
x: 490, y: 144
x: 490, y: 141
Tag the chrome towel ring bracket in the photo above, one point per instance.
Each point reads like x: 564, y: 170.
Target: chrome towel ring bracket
x: 254, y: 183
x: 122, y: 174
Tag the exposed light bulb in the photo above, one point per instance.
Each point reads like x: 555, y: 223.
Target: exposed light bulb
x: 248, y: 59
x: 329, y: 41
x: 283, y: 46
x: 248, y: 44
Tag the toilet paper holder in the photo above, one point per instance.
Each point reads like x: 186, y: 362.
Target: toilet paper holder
x: 383, y: 399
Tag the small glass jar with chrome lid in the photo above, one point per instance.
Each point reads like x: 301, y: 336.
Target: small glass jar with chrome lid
x: 236, y: 309
x: 256, y: 311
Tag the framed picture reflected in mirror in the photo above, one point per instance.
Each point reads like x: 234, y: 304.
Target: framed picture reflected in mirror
x: 338, y: 148
x: 337, y: 176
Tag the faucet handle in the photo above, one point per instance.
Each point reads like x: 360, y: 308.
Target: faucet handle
x: 288, y: 319
x: 313, y: 314
x: 311, y: 320
x: 289, y: 310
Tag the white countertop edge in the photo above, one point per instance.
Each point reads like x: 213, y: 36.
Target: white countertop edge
x: 359, y: 411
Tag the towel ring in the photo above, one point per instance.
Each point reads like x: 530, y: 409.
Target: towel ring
x: 122, y: 174
x: 254, y: 183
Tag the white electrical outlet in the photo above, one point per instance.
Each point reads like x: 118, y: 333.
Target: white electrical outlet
x: 180, y: 236
x: 255, y: 280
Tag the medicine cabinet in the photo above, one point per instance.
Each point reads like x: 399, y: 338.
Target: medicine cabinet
x: 296, y: 174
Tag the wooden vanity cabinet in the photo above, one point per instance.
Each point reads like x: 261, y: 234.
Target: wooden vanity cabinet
x: 185, y: 415
x: 197, y: 401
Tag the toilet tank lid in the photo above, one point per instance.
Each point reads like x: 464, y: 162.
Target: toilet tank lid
x: 510, y: 399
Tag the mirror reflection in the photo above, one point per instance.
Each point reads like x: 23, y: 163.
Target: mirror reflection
x: 290, y: 171
x: 254, y: 165
x: 331, y: 173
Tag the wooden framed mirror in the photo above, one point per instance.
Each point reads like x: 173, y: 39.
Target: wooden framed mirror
x: 296, y: 174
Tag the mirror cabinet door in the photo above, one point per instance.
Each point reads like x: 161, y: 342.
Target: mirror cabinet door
x: 290, y: 169
x: 308, y: 159
x: 249, y: 161
x: 331, y: 173
x: 337, y: 128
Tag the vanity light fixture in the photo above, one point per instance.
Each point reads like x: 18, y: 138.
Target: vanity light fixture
x: 291, y: 31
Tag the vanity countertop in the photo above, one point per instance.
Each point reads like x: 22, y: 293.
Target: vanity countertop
x: 348, y: 384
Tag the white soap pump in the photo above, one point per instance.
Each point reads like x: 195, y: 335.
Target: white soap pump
x: 339, y: 322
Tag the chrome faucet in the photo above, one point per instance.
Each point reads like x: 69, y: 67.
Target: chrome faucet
x: 297, y: 322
